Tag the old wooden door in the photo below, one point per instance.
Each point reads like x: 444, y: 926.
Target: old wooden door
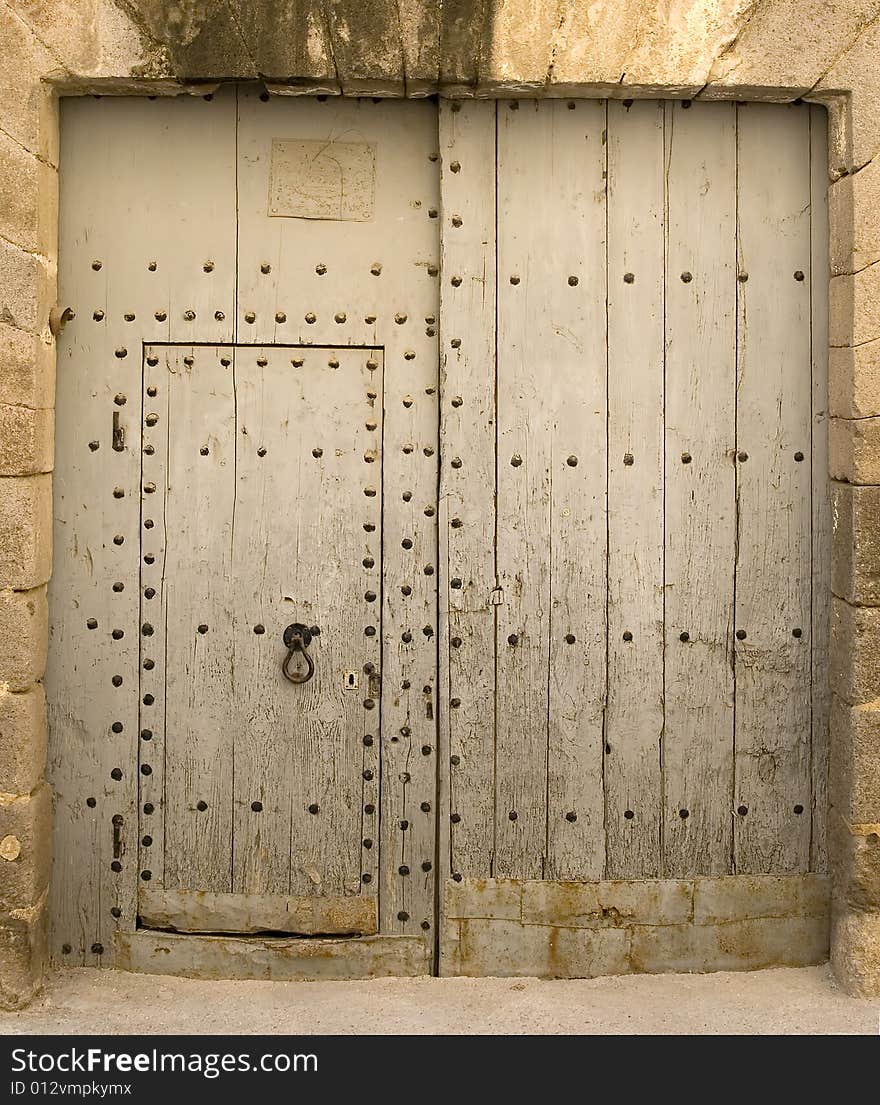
x: 629, y: 697
x: 249, y: 442
x: 262, y: 508
x: 639, y: 526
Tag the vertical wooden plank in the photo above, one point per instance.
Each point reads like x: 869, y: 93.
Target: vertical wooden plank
x: 821, y: 582
x: 700, y: 488
x: 158, y: 363
x: 467, y: 490
x: 374, y: 284
x: 306, y: 548
x: 575, y: 346
x: 634, y: 720
x: 139, y: 220
x: 774, y: 554
x: 525, y: 300
x: 200, y: 595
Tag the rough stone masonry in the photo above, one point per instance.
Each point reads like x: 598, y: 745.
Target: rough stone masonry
x: 822, y: 50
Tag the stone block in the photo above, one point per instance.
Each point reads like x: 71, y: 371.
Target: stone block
x: 206, y: 39
x: 854, y: 446
x: 745, y: 897
x: 507, y: 949
x: 420, y: 43
x: 491, y: 898
x: 460, y: 43
x: 22, y: 740
x: 854, y: 214
x: 28, y: 198
x: 855, y: 562
x: 27, y: 368
x: 747, y: 945
x: 854, y: 381
x: 855, y: 857
x: 25, y: 836
x: 27, y: 288
x: 106, y: 43
x: 855, y: 952
x: 517, y: 44
x: 787, y: 44
x: 677, y: 51
x: 855, y: 652
x: 450, y: 946
x: 25, y: 530
x: 855, y: 307
x: 287, y: 40
x: 604, y: 904
x: 27, y: 440
x: 856, y: 71
x: 854, y: 779
x: 24, y: 630
x: 22, y: 957
x: 29, y: 112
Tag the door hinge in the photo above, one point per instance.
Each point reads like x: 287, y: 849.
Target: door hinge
x: 496, y: 596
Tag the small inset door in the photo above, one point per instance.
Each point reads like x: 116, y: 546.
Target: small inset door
x: 261, y: 638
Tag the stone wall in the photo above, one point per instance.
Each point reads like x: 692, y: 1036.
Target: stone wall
x: 825, y: 50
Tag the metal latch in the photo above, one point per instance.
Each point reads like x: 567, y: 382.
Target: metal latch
x: 297, y: 638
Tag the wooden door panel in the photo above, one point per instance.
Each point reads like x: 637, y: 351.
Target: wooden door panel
x: 634, y: 712
x: 551, y: 487
x: 309, y: 472
x: 263, y: 487
x: 700, y: 529
x: 147, y: 250
x: 702, y: 519
x: 773, y: 492
x: 308, y: 273
x: 175, y: 771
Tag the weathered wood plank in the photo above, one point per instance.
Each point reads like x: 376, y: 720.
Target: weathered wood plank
x: 467, y: 490
x: 634, y: 719
x: 774, y: 430
x: 525, y: 303
x: 194, y: 562
x: 821, y: 551
x: 299, y: 750
x: 126, y: 289
x: 276, y: 959
x: 574, y: 247
x: 700, y: 488
x: 201, y: 911
x: 156, y: 387
x: 371, y: 284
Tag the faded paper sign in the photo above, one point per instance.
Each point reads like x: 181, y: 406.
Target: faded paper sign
x: 322, y: 180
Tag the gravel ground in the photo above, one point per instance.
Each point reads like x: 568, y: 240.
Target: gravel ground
x: 785, y: 1001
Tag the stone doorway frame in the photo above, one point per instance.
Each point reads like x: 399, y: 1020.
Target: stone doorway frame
x: 772, y: 50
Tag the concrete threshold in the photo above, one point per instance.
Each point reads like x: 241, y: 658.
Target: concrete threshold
x: 787, y: 1001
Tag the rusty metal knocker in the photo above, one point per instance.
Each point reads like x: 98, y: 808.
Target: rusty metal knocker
x: 297, y: 638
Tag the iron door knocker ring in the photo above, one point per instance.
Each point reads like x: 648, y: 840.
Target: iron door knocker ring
x: 297, y: 638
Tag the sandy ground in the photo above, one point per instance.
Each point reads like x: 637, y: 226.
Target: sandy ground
x: 789, y: 1001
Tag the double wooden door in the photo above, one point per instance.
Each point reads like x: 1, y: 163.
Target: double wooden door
x: 589, y: 645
